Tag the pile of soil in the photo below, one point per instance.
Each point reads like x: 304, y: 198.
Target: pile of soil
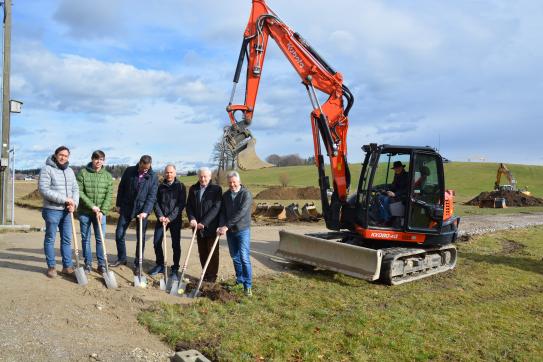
x: 512, y: 198
x: 289, y: 193
x: 214, y: 291
x: 34, y: 195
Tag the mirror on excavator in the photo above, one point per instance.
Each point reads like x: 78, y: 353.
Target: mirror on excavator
x: 241, y: 143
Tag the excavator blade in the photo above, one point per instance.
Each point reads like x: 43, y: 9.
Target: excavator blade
x: 248, y: 160
x: 328, y: 253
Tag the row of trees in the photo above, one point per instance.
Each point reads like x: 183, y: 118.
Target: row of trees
x: 289, y: 160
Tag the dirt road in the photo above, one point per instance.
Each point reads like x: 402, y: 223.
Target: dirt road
x: 56, y: 319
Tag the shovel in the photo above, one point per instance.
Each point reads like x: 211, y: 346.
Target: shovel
x: 140, y: 281
x: 196, y: 292
x: 109, y: 277
x: 182, y: 283
x: 164, y: 280
x: 79, y: 272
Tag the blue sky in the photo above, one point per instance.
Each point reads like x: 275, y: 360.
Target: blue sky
x: 135, y: 77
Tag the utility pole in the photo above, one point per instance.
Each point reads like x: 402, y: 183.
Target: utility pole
x: 6, y: 111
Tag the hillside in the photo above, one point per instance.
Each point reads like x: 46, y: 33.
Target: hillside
x: 468, y: 179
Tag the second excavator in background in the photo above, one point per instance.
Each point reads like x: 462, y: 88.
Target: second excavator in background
x: 417, y: 240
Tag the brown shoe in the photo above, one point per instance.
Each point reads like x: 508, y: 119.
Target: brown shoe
x: 69, y: 270
x: 51, y: 272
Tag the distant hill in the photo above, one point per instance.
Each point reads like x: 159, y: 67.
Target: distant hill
x: 468, y: 179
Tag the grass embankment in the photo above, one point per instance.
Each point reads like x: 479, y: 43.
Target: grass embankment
x: 468, y: 179
x: 488, y: 308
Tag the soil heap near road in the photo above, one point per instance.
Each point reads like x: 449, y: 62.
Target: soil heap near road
x: 289, y: 193
x: 34, y: 195
x: 512, y: 198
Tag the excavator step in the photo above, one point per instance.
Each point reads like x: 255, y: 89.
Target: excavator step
x: 330, y: 254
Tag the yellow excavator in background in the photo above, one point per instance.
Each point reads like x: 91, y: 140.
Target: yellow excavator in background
x: 512, y: 186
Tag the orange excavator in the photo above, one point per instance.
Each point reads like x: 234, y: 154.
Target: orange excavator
x: 384, y: 230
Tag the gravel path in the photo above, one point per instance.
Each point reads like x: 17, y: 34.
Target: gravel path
x: 44, y: 319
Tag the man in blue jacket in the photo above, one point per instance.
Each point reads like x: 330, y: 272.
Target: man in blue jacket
x: 136, y: 198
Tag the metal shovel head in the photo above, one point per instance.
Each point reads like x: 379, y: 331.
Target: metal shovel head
x: 174, y: 288
x: 81, y: 276
x: 162, y: 284
x: 140, y: 282
x: 182, y: 286
x: 195, y: 293
x: 111, y: 281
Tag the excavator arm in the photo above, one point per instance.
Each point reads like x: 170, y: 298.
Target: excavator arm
x: 329, y: 120
x: 503, y: 170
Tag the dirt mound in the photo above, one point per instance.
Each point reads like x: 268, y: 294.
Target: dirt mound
x: 289, y: 193
x: 34, y: 195
x: 512, y: 198
x: 214, y: 292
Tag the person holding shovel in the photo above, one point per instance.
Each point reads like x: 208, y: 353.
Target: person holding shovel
x: 136, y: 198
x: 95, y: 191
x: 235, y: 222
x: 60, y: 193
x: 203, y: 208
x: 170, y: 202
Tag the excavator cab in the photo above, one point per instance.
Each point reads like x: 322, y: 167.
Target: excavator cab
x: 419, y: 205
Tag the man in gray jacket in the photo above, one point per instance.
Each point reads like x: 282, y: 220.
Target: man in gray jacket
x: 235, y: 222
x: 60, y: 192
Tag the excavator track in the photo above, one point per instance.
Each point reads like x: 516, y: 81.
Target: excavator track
x: 403, y: 265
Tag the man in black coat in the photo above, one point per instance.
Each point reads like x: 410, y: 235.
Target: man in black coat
x: 203, y: 210
x: 136, y: 198
x: 399, y: 190
x: 170, y: 202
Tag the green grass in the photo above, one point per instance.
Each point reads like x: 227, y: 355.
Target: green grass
x: 489, y: 308
x: 468, y: 179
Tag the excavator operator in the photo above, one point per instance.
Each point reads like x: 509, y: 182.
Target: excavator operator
x: 398, y: 191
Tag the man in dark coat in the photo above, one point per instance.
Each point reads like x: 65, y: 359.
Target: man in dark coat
x: 203, y: 209
x: 398, y: 190
x: 170, y: 202
x: 136, y: 198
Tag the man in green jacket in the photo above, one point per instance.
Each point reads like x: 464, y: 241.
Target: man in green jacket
x: 95, y: 190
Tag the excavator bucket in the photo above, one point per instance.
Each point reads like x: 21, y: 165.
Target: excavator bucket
x: 328, y: 253
x: 248, y: 160
x: 293, y: 213
x: 261, y: 209
x: 277, y: 211
x: 309, y: 212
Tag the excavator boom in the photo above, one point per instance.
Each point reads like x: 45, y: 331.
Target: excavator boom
x: 328, y: 120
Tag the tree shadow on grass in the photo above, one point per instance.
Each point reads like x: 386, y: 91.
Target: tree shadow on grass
x: 526, y: 264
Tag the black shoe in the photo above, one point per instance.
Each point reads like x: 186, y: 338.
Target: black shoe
x: 157, y: 269
x: 87, y: 269
x: 118, y: 263
x: 101, y: 269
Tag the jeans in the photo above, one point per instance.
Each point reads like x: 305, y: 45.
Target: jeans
x: 120, y: 234
x: 384, y: 208
x: 239, y: 247
x: 175, y: 232
x: 57, y: 219
x: 85, y: 222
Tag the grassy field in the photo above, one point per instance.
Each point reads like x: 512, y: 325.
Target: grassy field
x: 468, y: 179
x: 489, y: 308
